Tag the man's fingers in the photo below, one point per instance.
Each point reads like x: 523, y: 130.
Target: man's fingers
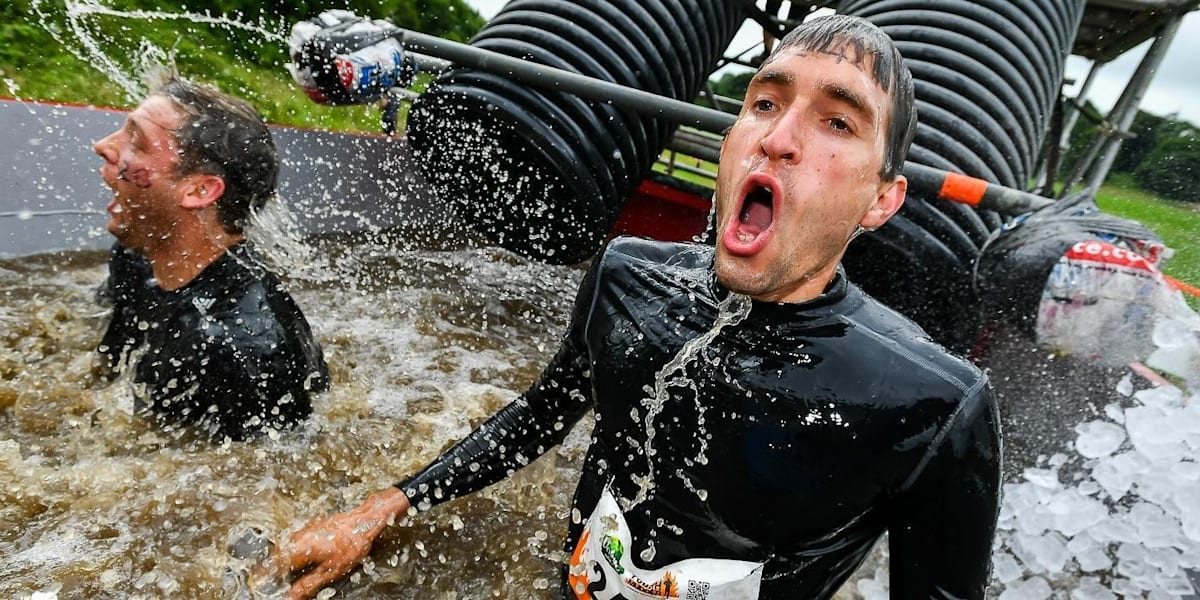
x: 300, y: 554
x: 307, y: 586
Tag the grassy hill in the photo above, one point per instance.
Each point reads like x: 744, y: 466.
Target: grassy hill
x: 47, y: 53
x: 1177, y: 222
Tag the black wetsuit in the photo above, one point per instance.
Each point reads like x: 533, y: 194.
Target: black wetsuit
x: 824, y: 423
x: 230, y: 352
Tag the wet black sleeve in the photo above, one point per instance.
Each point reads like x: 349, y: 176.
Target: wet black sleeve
x: 941, y: 527
x: 126, y: 289
x: 536, y: 421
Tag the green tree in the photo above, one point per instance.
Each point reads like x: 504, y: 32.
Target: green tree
x: 1145, y: 134
x: 1173, y: 169
x: 732, y: 85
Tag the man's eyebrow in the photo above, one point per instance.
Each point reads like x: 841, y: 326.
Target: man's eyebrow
x: 134, y: 126
x: 774, y: 77
x: 841, y: 93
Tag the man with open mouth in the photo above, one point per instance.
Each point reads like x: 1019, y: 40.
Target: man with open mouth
x: 214, y: 340
x: 760, y: 421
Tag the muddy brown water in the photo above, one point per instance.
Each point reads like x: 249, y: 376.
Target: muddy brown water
x: 98, y: 503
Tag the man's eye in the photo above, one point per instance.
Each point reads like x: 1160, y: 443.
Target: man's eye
x: 763, y: 105
x: 839, y: 124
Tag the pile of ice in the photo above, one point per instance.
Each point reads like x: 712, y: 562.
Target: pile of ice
x: 1122, y: 518
x: 1119, y: 516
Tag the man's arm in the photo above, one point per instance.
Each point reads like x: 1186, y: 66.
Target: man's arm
x: 525, y: 429
x: 330, y: 548
x: 126, y: 289
x: 941, y: 527
x: 333, y: 546
x: 536, y: 421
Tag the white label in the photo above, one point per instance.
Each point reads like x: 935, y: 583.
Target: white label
x: 601, y: 568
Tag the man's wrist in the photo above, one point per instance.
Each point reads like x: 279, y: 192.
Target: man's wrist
x: 383, y: 508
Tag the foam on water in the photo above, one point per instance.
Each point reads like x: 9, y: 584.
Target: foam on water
x: 96, y: 502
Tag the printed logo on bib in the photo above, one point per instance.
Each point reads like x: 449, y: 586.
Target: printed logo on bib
x: 601, y: 568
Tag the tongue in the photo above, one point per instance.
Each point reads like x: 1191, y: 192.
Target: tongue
x: 756, y: 217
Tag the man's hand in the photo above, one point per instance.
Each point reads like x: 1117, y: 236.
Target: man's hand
x: 328, y: 549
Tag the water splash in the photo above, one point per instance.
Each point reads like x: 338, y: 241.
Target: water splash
x: 87, y: 47
x: 275, y: 233
x: 732, y: 310
x: 426, y: 344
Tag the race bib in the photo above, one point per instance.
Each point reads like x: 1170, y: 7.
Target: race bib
x: 601, y: 568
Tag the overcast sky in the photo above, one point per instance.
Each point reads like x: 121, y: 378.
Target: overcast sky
x: 1175, y: 89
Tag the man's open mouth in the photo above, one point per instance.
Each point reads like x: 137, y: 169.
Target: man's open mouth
x: 747, y: 233
x: 757, y: 211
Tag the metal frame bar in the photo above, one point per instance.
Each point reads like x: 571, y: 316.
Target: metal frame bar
x: 1131, y: 99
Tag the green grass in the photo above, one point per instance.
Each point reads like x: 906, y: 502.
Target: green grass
x: 36, y: 66
x: 1177, y: 222
x: 681, y: 159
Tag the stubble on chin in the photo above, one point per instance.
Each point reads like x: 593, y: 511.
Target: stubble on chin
x: 736, y: 276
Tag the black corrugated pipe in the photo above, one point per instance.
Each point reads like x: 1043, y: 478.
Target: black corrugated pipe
x: 545, y: 174
x: 987, y: 74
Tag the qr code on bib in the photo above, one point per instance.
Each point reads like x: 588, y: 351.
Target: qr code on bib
x: 697, y: 590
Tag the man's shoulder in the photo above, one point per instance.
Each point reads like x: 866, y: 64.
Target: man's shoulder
x: 626, y: 250
x: 240, y: 291
x: 908, y: 342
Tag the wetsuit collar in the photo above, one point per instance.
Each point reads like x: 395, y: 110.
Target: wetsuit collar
x: 242, y: 252
x: 839, y: 297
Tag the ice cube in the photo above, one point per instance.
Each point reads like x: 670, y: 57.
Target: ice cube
x: 1125, y: 386
x: 1090, y: 588
x: 1115, y: 481
x: 1042, y: 553
x: 1046, y: 478
x: 1034, y: 588
x: 1158, y: 530
x: 1098, y: 438
x: 1126, y: 588
x: 1115, y: 412
x: 1176, y: 584
x: 1074, y: 513
x: 1005, y: 568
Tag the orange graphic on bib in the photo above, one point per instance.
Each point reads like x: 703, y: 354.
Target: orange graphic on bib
x: 577, y: 571
x: 666, y: 587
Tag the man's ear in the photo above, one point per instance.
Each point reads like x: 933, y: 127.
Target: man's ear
x: 888, y: 200
x: 201, y: 191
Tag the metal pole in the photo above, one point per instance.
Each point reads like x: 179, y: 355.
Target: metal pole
x: 971, y: 190
x: 550, y: 78
x: 1074, y: 108
x: 1085, y: 162
x: 1135, y: 91
x: 929, y: 181
x: 1071, y: 116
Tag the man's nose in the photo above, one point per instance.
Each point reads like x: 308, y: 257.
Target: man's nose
x: 104, y: 147
x: 783, y: 140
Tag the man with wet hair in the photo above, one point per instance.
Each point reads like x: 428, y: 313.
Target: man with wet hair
x: 214, y: 340
x: 760, y: 421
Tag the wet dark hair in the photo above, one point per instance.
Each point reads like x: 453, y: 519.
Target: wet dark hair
x: 225, y: 136
x: 835, y: 33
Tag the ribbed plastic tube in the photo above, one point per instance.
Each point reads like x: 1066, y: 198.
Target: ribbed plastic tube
x: 545, y: 174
